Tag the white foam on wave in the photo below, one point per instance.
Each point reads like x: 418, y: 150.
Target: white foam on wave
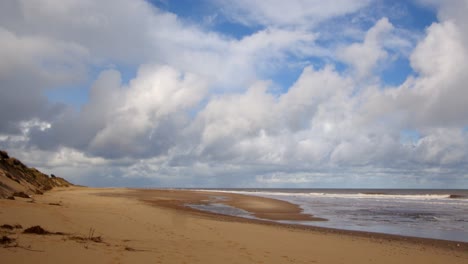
x: 385, y: 196
x: 347, y: 195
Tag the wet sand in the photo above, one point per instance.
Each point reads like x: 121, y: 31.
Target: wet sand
x: 259, y: 207
x: 148, y: 226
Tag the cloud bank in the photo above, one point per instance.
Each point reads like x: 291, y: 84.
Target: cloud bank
x: 173, y: 102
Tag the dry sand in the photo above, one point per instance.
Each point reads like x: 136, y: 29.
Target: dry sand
x: 128, y: 226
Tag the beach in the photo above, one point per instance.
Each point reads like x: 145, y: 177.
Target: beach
x: 156, y: 226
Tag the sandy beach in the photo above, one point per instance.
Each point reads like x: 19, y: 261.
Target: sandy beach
x: 89, y: 225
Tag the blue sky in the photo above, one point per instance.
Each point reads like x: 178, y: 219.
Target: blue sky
x: 217, y: 93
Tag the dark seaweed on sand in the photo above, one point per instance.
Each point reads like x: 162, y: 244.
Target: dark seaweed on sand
x: 36, y: 230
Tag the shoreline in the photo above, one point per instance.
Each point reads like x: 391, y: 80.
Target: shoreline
x: 198, y: 195
x: 115, y: 225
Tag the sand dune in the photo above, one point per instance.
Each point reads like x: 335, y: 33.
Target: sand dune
x: 17, y: 179
x: 128, y: 226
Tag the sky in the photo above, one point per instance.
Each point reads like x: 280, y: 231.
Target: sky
x: 247, y: 93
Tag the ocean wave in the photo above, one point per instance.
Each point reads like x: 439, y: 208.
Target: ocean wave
x: 391, y: 196
x: 362, y: 195
x: 458, y: 196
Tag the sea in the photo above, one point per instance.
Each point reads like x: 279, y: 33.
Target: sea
x: 437, y: 214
